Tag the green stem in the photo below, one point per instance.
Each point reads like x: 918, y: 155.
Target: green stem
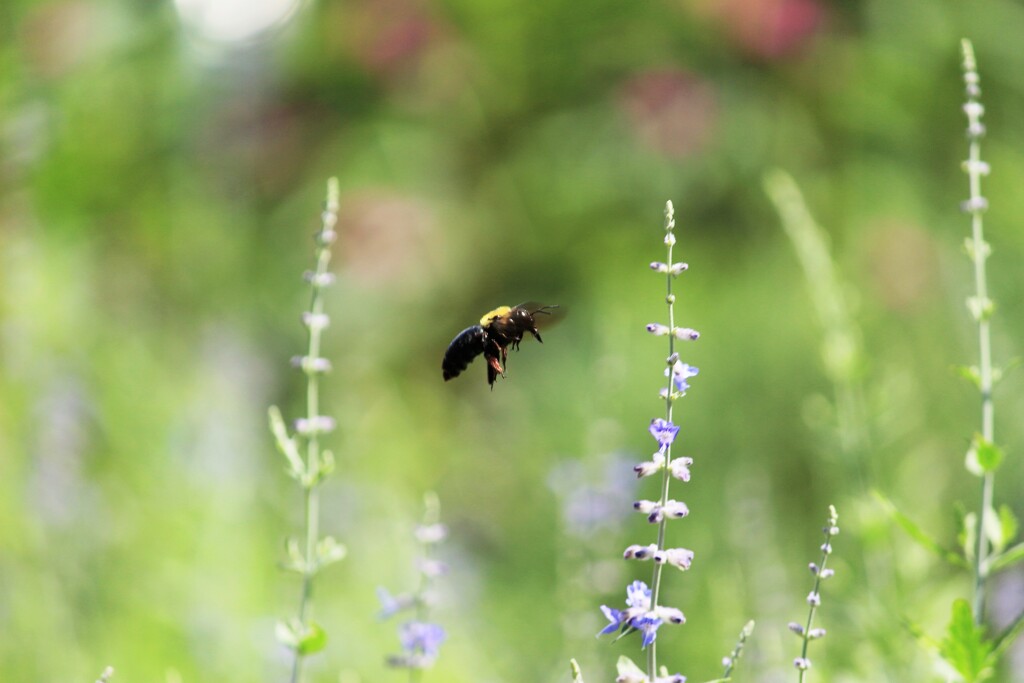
x: 311, y: 497
x: 979, y: 254
x: 652, y: 652
x: 825, y: 552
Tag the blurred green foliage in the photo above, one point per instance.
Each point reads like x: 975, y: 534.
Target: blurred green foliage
x: 160, y: 175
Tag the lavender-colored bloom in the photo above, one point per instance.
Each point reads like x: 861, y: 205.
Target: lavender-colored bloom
x: 640, y: 552
x: 680, y: 468
x: 652, y: 466
x: 802, y: 663
x: 648, y: 625
x: 671, y: 614
x: 664, y: 432
x: 638, y: 595
x: 431, y: 567
x: 638, y: 602
x: 418, y: 637
x: 678, y: 557
x: 680, y: 373
x: 674, y: 678
x: 615, y: 617
x: 813, y: 598
x: 645, y: 506
x: 639, y: 614
x: 815, y: 633
x: 319, y: 424
x: 656, y: 512
x: 391, y: 605
x: 657, y: 329
x: 686, y: 333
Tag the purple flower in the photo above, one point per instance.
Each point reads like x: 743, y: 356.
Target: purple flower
x: 614, y: 616
x: 640, y: 552
x: 648, y: 625
x: 638, y: 595
x: 656, y: 512
x: 639, y: 614
x: 680, y: 468
x: 678, y: 557
x: 686, y: 333
x: 420, y: 637
x: 680, y: 373
x: 391, y: 605
x: 664, y: 432
x: 421, y: 642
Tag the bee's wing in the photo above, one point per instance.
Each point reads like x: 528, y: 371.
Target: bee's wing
x: 466, y: 346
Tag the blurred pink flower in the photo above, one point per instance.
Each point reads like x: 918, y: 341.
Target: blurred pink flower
x: 57, y: 37
x: 389, y: 37
x: 386, y: 237
x: 671, y: 111
x: 768, y: 29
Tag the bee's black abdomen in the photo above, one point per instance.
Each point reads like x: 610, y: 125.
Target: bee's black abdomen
x: 466, y: 346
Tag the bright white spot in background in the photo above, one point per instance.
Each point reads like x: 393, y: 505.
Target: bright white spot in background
x: 232, y: 21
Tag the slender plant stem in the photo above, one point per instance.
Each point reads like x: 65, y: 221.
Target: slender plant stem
x: 981, y: 310
x: 652, y: 652
x: 310, y: 484
x: 825, y: 552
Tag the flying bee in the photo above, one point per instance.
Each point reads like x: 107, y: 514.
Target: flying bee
x: 498, y: 330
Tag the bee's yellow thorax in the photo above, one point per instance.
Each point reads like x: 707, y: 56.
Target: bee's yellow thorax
x: 498, y: 312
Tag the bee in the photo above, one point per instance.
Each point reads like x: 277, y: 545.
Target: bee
x: 498, y: 330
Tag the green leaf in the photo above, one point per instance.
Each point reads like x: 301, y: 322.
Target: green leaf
x: 1008, y: 525
x: 969, y: 373
x: 965, y: 647
x: 983, y: 456
x: 286, y: 444
x: 313, y: 639
x: 995, y: 529
x: 966, y: 530
x: 1007, y: 559
x: 918, y: 534
x: 577, y: 674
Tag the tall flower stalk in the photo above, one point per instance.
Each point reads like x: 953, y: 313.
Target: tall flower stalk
x: 420, y: 638
x: 983, y: 457
x: 644, y: 612
x: 306, y: 461
x: 807, y: 631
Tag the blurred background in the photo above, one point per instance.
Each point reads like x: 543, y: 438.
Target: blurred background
x: 162, y: 169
